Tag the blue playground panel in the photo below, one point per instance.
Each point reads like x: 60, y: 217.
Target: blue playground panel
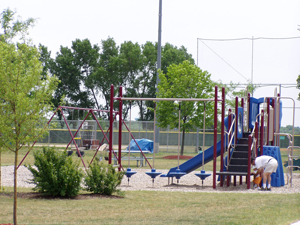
x: 254, y: 110
x: 240, y: 122
x: 277, y: 179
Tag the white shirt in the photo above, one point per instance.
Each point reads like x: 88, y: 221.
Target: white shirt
x: 262, y: 161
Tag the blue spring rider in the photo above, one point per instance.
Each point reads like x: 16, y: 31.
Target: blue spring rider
x: 129, y: 173
x: 202, y: 175
x: 153, y: 174
x: 178, y: 174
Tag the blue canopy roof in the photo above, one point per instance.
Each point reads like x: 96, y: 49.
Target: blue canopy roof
x: 145, y: 145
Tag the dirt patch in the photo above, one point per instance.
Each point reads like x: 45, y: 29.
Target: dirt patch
x: 36, y: 195
x: 176, y: 157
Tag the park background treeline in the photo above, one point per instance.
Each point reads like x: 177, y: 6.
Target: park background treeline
x: 87, y: 70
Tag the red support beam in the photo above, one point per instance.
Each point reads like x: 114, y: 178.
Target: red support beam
x: 268, y: 121
x: 36, y: 140
x: 249, y: 161
x: 111, y: 122
x: 215, y: 137
x: 120, y: 126
x: 222, y: 136
x: 73, y: 139
x: 262, y: 131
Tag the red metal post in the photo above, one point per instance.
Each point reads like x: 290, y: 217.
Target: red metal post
x: 236, y: 119
x: 242, y: 105
x: 249, y: 161
x: 36, y: 140
x: 278, y: 121
x: 222, y: 135
x: 111, y: 123
x: 215, y: 137
x: 120, y: 127
x: 78, y: 128
x: 73, y: 138
x: 262, y: 131
x: 236, y: 124
x: 274, y: 118
x: 248, y: 113
x: 268, y: 122
x: 256, y: 138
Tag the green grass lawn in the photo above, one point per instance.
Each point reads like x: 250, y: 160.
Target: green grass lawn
x: 151, y: 207
x: 155, y: 207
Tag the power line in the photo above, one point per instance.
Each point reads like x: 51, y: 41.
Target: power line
x: 224, y: 60
x: 245, y: 38
x: 239, y: 39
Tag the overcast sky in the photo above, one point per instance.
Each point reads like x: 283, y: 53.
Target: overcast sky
x: 273, y: 25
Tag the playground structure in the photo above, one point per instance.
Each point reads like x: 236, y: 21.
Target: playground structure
x: 250, y: 133
x: 248, y: 130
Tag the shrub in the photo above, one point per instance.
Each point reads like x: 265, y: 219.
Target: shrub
x: 103, y: 179
x: 55, y: 174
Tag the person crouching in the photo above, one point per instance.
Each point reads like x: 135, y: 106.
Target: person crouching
x: 268, y: 165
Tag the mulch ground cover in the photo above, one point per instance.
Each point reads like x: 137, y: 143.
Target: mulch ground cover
x: 176, y: 157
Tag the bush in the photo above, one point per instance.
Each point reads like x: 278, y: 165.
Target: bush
x: 103, y: 179
x: 55, y: 173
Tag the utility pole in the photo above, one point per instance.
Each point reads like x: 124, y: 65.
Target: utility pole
x: 252, y: 67
x: 156, y: 144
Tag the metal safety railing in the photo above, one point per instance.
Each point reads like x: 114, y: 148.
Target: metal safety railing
x: 291, y: 156
x: 230, y: 136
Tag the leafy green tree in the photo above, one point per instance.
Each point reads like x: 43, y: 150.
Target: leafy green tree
x: 13, y: 28
x: 70, y: 89
x: 108, y: 71
x: 25, y: 100
x: 86, y: 57
x: 233, y: 90
x: 145, y: 82
x: 185, y: 81
x: 173, y: 55
x: 47, y: 62
x: 289, y: 129
x: 87, y: 73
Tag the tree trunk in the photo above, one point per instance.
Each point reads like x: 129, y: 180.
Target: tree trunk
x: 182, y: 141
x: 15, y: 188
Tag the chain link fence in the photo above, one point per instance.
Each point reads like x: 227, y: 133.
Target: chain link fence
x: 91, y: 135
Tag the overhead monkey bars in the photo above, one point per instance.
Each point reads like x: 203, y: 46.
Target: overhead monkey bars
x: 215, y: 99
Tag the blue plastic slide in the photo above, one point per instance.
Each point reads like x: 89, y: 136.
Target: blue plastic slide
x: 196, y: 162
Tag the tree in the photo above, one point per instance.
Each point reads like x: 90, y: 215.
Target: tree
x: 86, y: 57
x: 87, y: 73
x: 232, y: 91
x: 13, y: 28
x: 25, y: 100
x: 172, y: 55
x: 184, y: 81
x: 109, y: 70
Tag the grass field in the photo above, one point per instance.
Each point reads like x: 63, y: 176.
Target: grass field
x: 151, y: 207
x: 147, y: 207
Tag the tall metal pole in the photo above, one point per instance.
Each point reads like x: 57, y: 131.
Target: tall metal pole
x: 252, y: 67
x: 158, y: 67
